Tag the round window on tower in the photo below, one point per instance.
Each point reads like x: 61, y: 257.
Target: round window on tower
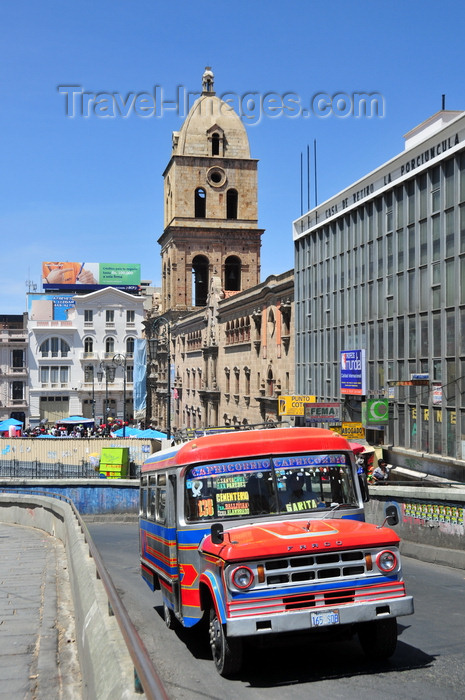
x: 216, y: 177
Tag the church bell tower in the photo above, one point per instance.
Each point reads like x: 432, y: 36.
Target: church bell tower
x: 210, y: 206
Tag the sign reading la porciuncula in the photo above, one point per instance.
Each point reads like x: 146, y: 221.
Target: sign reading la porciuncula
x: 353, y: 376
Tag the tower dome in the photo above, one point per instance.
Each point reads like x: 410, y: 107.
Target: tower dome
x: 210, y: 119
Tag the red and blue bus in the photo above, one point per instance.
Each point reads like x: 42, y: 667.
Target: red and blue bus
x: 263, y: 532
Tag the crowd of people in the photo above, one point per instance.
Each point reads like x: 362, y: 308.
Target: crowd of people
x: 88, y: 430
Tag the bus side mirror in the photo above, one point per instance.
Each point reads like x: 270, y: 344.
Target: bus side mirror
x: 392, y: 515
x: 217, y: 533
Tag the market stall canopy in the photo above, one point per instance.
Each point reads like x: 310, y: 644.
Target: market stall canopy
x: 153, y: 434
x: 128, y: 432
x: 6, y: 424
x: 75, y: 420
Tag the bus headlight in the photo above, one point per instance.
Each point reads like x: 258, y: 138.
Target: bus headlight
x: 386, y: 561
x: 242, y: 577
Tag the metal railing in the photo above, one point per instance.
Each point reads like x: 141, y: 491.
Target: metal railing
x: 33, y: 469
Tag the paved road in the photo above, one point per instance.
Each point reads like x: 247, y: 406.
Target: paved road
x: 37, y: 638
x: 429, y: 662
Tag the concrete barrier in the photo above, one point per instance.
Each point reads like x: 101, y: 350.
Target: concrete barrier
x: 431, y: 520
x: 90, y: 496
x: 106, y: 666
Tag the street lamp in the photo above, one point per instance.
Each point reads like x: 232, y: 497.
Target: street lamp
x: 90, y: 370
x: 109, y: 372
x: 153, y: 349
x: 120, y: 361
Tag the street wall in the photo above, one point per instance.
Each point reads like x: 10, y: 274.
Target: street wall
x: 90, y: 496
x: 106, y: 666
x: 431, y: 520
x: 72, y: 450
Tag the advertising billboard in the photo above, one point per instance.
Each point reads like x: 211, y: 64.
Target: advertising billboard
x: 49, y: 307
x: 293, y: 405
x: 88, y: 276
x: 322, y: 413
x: 375, y: 412
x: 353, y: 376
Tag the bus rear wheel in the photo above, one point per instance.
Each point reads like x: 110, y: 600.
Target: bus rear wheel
x: 226, y: 651
x: 378, y: 638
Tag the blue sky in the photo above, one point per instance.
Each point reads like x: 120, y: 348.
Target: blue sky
x: 91, y: 189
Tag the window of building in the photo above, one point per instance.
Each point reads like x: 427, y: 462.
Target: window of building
x: 200, y: 203
x: 129, y: 374
x: 110, y: 346
x: 436, y: 238
x: 17, y: 359
x: 232, y: 274
x: 130, y: 317
x: 17, y: 391
x: 54, y: 375
x: 449, y: 183
x: 435, y: 189
x: 54, y: 347
x: 88, y: 346
x: 200, y: 281
x: 231, y: 204
x: 216, y: 144
x: 88, y: 317
x: 130, y: 346
x: 110, y: 317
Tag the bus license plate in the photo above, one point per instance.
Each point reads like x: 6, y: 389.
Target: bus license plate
x: 324, y: 618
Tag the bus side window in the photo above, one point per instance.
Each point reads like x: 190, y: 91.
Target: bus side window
x: 143, y: 497
x: 161, y: 498
x: 161, y: 505
x: 152, y: 497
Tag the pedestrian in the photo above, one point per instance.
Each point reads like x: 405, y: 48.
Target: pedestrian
x: 381, y: 473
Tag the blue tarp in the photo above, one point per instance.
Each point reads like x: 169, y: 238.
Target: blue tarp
x: 4, y: 425
x: 153, y: 434
x: 128, y: 432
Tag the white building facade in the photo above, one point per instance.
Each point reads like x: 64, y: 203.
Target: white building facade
x: 380, y: 268
x: 81, y: 356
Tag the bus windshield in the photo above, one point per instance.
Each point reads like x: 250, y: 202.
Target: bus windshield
x: 269, y: 486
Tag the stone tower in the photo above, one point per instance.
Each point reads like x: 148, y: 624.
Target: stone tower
x: 210, y: 206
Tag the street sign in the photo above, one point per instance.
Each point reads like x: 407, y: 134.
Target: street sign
x: 351, y: 431
x: 323, y: 413
x: 293, y: 405
x: 376, y: 412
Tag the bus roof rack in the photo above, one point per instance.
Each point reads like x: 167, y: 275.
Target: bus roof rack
x: 190, y: 433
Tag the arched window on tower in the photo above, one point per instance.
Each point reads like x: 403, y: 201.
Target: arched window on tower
x: 232, y: 274
x: 200, y: 280
x: 231, y: 204
x: 215, y: 144
x: 200, y: 203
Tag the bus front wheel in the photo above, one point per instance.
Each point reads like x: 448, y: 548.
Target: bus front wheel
x: 226, y: 651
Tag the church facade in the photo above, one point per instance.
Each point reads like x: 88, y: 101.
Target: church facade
x: 225, y: 350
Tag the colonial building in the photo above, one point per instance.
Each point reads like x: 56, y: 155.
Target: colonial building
x: 380, y: 272
x: 13, y: 367
x: 226, y: 351
x: 81, y: 354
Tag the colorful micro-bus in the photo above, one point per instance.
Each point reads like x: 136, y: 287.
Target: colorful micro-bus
x: 262, y: 532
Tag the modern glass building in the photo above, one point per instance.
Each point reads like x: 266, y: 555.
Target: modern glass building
x: 380, y: 267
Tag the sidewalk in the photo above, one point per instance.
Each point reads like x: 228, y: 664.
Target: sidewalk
x: 38, y: 651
